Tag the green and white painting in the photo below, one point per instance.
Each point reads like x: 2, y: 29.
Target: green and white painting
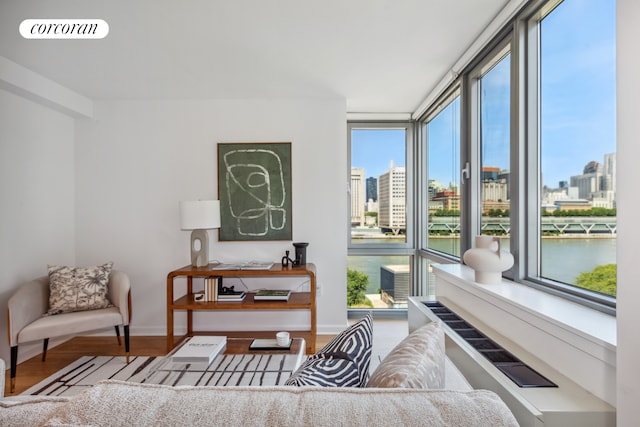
x: 254, y: 188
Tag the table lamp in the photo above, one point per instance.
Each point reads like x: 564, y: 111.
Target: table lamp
x: 199, y: 216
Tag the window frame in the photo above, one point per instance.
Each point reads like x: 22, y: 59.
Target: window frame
x: 422, y: 150
x: 408, y: 246
x: 473, y: 196
x: 528, y: 35
x: 522, y: 35
x: 425, y: 256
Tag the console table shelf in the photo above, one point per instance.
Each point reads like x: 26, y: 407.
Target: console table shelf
x: 186, y: 301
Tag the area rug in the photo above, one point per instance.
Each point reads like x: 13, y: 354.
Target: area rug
x: 225, y: 370
x: 253, y: 369
x: 88, y: 370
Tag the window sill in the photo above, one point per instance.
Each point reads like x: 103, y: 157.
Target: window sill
x: 578, y: 341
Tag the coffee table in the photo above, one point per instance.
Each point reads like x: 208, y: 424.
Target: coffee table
x: 238, y: 366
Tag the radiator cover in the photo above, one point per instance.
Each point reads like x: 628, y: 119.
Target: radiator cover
x: 517, y: 371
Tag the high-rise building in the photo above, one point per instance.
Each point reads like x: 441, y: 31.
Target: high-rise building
x: 597, y: 183
x: 433, y: 188
x: 372, y: 189
x: 592, y: 167
x: 505, y: 176
x: 395, y: 283
x: 357, y: 197
x: 490, y: 173
x: 495, y: 184
x: 392, y: 199
x: 494, y: 190
x: 586, y: 183
x: 448, y: 200
x: 609, y: 172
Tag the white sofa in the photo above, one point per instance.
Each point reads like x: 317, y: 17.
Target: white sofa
x: 116, y: 403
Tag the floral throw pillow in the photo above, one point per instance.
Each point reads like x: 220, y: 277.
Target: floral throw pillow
x: 78, y: 288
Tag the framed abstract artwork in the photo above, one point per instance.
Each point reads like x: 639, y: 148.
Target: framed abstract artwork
x: 254, y: 188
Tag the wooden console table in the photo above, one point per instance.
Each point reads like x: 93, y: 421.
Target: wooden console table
x: 297, y: 301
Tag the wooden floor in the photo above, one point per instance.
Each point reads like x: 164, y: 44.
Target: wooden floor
x: 32, y: 371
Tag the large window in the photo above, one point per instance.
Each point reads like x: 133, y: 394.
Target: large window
x: 521, y: 144
x: 378, y: 185
x: 530, y: 126
x: 577, y: 144
x: 442, y: 131
x: 379, y: 263
x: 494, y: 107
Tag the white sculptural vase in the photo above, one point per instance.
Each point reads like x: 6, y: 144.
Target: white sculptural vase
x: 488, y: 260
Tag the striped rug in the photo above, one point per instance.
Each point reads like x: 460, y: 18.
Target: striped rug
x: 227, y: 370
x: 254, y: 369
x: 88, y: 370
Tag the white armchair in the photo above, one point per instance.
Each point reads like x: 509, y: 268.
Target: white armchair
x: 27, y: 306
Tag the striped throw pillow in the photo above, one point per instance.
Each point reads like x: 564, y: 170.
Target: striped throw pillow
x: 343, y: 362
x: 330, y: 372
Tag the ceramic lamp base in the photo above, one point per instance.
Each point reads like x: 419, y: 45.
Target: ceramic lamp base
x: 199, y: 248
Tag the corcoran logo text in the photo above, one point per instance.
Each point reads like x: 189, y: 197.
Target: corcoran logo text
x: 64, y: 29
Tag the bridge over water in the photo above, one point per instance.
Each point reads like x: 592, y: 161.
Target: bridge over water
x: 550, y: 225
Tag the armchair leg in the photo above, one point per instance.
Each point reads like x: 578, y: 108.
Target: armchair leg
x: 14, y: 364
x: 45, y: 345
x: 118, y: 334
x: 126, y: 341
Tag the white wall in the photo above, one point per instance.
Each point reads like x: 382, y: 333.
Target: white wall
x: 628, y: 315
x: 137, y: 159
x: 37, y: 197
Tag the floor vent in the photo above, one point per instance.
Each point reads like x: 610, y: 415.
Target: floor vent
x: 507, y: 363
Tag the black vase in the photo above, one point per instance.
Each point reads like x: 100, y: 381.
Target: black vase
x: 301, y: 253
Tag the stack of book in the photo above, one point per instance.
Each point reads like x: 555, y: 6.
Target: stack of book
x: 211, y: 288
x: 214, y: 291
x: 230, y: 296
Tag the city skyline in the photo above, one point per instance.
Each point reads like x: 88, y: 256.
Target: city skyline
x: 383, y: 165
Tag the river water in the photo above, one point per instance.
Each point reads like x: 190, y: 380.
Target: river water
x: 562, y: 259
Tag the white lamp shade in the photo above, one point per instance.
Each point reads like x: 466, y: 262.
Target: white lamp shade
x: 200, y: 214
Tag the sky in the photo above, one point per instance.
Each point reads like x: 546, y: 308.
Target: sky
x: 374, y: 150
x: 577, y: 104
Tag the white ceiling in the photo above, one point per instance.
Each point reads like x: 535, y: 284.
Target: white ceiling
x: 379, y: 55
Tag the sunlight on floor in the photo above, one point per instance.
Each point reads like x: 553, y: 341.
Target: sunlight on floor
x: 387, y: 333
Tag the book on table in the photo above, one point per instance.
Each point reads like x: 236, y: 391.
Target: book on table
x: 272, y: 295
x: 230, y: 297
x: 268, y: 344
x: 200, y: 349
